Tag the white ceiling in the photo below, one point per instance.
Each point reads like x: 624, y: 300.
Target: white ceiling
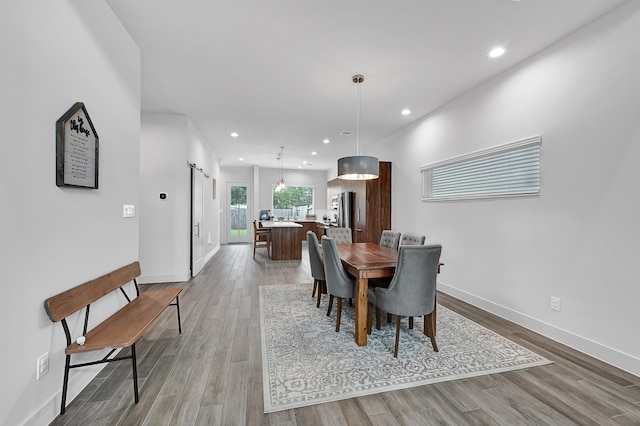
x: 279, y: 72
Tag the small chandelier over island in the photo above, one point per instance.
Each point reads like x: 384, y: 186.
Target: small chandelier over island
x: 281, y: 185
x: 358, y: 167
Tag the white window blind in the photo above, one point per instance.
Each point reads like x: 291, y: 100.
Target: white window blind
x: 508, y: 170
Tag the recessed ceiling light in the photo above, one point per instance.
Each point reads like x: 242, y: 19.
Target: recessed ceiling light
x: 406, y: 111
x: 304, y: 162
x: 326, y: 141
x: 241, y: 159
x: 314, y: 153
x: 234, y: 134
x: 299, y: 167
x: 497, y: 51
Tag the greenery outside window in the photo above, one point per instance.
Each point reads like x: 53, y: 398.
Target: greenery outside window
x: 292, y: 202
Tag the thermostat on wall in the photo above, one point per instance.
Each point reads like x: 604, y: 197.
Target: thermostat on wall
x: 163, y: 195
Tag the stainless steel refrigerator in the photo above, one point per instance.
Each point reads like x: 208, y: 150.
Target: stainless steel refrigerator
x: 346, y: 208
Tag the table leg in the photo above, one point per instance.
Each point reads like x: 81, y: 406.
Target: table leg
x: 362, y: 285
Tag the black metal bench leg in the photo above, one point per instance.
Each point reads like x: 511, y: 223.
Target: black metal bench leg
x: 178, y: 308
x: 65, y: 383
x: 135, y: 372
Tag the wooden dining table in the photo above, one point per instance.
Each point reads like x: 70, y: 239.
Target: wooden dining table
x: 364, y: 261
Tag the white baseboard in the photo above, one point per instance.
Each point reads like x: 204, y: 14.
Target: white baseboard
x: 174, y: 278
x: 209, y: 255
x: 604, y: 353
x: 153, y: 279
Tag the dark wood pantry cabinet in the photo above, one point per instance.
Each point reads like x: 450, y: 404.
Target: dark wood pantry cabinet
x: 372, y: 207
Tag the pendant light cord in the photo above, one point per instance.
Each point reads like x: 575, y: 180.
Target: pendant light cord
x: 358, y: 79
x: 359, y: 106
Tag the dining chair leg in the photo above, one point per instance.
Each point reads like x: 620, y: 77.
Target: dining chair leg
x: 395, y: 348
x: 433, y: 319
x: 410, y: 323
x: 315, y: 286
x: 430, y: 330
x: 330, y: 304
x: 370, y: 308
x: 321, y: 290
x: 389, y: 318
x: 338, y: 314
x: 430, y: 327
x: 377, y: 318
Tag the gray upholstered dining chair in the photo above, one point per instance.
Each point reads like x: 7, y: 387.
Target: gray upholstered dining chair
x: 412, y: 291
x: 341, y: 235
x: 317, y: 265
x: 339, y: 283
x: 390, y: 239
x: 409, y: 239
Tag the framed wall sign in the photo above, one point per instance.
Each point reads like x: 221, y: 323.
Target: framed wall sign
x: 76, y: 149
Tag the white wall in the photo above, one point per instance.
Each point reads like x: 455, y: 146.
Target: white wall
x: 53, y: 55
x: 168, y: 143
x: 579, y: 239
x: 164, y: 224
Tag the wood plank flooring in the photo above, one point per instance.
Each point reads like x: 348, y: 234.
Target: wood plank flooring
x: 212, y: 373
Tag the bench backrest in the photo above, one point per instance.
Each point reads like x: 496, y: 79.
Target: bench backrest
x: 66, y: 303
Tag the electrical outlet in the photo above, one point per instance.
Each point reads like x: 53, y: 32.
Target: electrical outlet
x: 42, y: 366
x: 555, y: 303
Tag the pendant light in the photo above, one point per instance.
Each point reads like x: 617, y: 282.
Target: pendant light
x: 281, y: 185
x: 277, y: 188
x: 358, y: 167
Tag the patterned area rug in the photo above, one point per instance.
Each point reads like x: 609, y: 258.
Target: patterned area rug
x: 305, y: 362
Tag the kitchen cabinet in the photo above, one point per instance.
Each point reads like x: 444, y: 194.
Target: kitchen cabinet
x: 310, y: 225
x: 372, y: 212
x: 333, y: 189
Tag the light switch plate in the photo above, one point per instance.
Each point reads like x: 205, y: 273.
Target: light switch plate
x: 128, y: 210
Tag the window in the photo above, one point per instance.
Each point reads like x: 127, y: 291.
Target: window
x: 293, y: 202
x: 508, y: 170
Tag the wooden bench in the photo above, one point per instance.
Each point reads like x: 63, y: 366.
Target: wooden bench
x: 122, y: 329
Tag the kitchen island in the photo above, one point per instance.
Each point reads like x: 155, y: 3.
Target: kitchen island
x: 286, y: 240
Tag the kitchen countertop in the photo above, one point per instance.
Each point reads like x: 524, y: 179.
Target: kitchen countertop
x: 279, y: 224
x: 286, y: 221
x: 296, y: 220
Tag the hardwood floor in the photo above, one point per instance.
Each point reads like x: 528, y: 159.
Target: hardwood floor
x: 212, y: 373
